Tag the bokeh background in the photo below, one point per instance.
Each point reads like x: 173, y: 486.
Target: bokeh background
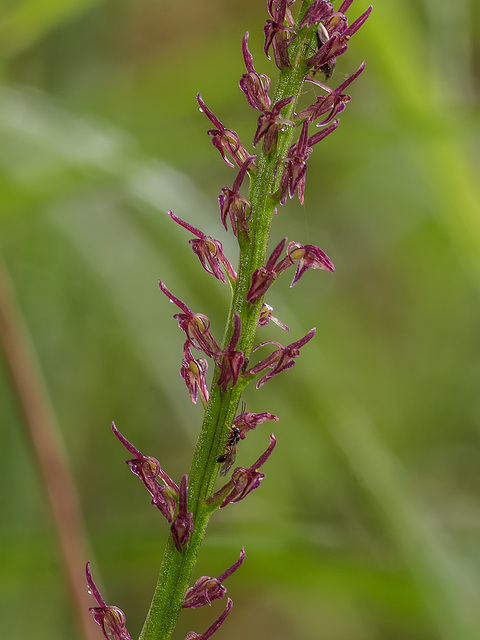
x: 367, y: 525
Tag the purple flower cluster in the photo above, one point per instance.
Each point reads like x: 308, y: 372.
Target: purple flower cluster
x: 233, y: 370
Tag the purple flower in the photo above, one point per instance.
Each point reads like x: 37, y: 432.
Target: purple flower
x: 277, y: 35
x: 296, y: 162
x: 193, y: 372
x: 235, y: 206
x: 148, y: 470
x: 333, y: 36
x: 243, y: 480
x: 207, y: 589
x: 247, y: 421
x: 111, y: 619
x: 182, y: 526
x: 191, y: 635
x: 195, y: 325
x: 306, y: 256
x: 208, y: 250
x: 266, y: 316
x: 263, y: 277
x: 318, y: 11
x: 280, y: 360
x: 224, y: 139
x: 254, y: 85
x: 333, y: 103
x: 269, y: 124
x: 229, y: 360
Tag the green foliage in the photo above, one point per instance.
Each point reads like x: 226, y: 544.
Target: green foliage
x: 367, y: 523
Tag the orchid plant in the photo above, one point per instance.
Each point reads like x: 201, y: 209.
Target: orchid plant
x: 302, y: 49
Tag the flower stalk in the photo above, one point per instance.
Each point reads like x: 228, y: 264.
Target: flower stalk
x: 283, y: 140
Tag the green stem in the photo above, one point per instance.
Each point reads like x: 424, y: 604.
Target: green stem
x: 177, y: 566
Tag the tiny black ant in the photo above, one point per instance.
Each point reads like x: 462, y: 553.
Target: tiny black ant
x: 228, y: 458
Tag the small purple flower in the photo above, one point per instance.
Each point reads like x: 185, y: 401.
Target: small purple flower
x: 269, y: 123
x: 247, y: 421
x: 244, y: 481
x: 208, y: 250
x: 229, y: 360
x: 334, y: 35
x: 207, y: 589
x: 318, y: 11
x: 306, y: 256
x: 277, y: 35
x: 280, y: 360
x: 333, y: 103
x: 266, y: 316
x: 191, y: 635
x: 111, y: 619
x: 254, y: 85
x: 182, y: 526
x: 148, y: 470
x: 296, y: 162
x: 235, y: 206
x: 263, y: 277
x: 224, y: 139
x: 195, y: 325
x: 193, y: 372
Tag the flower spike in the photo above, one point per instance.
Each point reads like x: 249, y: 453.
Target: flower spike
x: 191, y: 635
x: 207, y: 589
x: 111, y: 619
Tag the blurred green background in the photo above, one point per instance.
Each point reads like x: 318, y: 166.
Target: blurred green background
x: 367, y: 525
